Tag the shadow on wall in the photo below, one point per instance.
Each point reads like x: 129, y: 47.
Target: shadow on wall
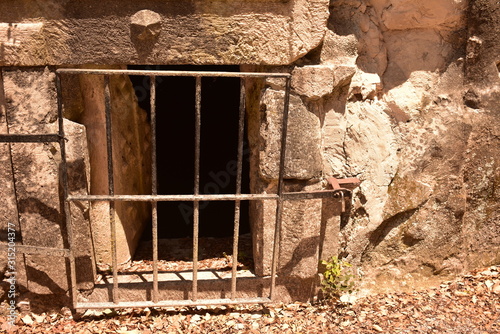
x: 299, y: 288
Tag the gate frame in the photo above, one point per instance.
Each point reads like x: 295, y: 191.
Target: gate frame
x: 280, y: 196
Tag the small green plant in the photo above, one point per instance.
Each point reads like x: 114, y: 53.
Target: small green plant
x: 337, y: 278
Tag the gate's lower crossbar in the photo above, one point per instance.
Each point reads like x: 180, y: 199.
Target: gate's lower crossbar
x: 172, y: 303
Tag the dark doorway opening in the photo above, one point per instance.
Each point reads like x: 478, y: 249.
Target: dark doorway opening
x: 175, y: 113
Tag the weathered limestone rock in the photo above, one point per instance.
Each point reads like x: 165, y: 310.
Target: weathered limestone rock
x: 339, y: 50
x: 334, y: 132
x: 301, y: 219
x: 300, y: 239
x: 78, y: 166
x: 482, y: 64
x: 408, y: 59
x: 367, y: 85
x: 303, y: 156
x: 481, y: 166
x: 316, y: 81
x: 361, y: 19
x: 196, y: 32
x: 332, y: 218
x: 410, y: 14
x: 370, y: 152
x: 145, y: 24
x: 22, y: 42
x: 426, y: 208
x: 406, y: 194
x: 31, y: 109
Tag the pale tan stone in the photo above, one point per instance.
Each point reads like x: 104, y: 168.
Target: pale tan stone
x: 31, y: 109
x: 303, y: 155
x: 316, y: 81
x: 341, y: 50
x: 215, y: 32
x: 410, y: 14
x: 368, y: 85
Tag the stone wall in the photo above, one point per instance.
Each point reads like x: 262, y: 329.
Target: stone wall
x: 402, y: 94
x: 34, y: 186
x: 178, y: 32
x: 422, y: 142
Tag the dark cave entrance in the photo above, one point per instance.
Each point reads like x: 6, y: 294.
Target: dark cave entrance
x: 175, y: 113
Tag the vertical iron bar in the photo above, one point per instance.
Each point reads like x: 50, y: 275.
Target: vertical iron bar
x: 279, y: 203
x: 237, y: 203
x: 64, y: 175
x: 14, y: 181
x: 196, y: 204
x: 154, y: 186
x: 111, y: 187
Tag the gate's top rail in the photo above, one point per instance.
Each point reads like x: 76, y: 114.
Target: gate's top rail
x: 173, y: 73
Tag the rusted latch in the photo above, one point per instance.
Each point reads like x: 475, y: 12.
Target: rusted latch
x: 348, y: 184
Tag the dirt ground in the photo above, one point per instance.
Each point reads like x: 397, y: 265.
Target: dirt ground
x: 469, y: 304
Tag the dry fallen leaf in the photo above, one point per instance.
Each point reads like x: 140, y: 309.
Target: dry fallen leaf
x: 27, y: 319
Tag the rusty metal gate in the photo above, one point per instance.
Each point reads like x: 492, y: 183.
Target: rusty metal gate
x: 280, y: 196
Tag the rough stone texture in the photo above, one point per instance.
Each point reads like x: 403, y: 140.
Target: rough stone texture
x: 307, y: 229
x: 196, y: 32
x: 316, y: 81
x: 300, y: 238
x: 339, y: 50
x: 30, y: 97
x: 145, y: 24
x: 303, y: 155
x: 8, y: 211
x: 78, y: 165
x: 427, y: 205
x: 482, y: 166
x: 131, y: 163
x: 417, y: 122
x: 409, y: 14
x: 31, y: 108
x: 298, y: 257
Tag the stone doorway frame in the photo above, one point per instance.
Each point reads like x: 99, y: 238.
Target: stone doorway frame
x: 279, y: 196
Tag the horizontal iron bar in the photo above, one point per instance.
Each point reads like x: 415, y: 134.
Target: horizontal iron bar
x: 314, y: 194
x: 172, y: 303
x: 221, y: 197
x: 172, y: 198
x: 37, y: 250
x: 173, y: 73
x: 41, y: 138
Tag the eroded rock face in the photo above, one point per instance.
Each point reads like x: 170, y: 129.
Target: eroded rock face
x: 183, y: 32
x: 30, y: 107
x: 303, y: 156
x: 427, y: 204
x: 402, y: 94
